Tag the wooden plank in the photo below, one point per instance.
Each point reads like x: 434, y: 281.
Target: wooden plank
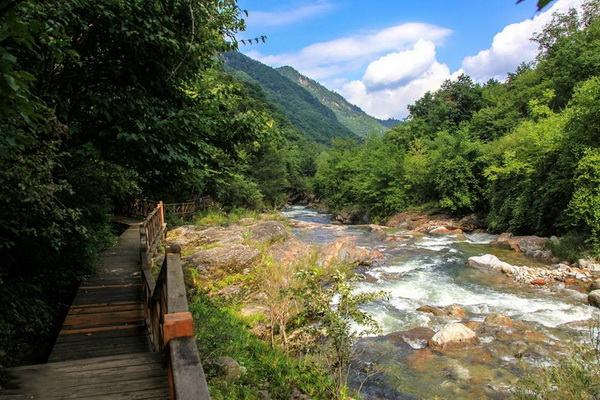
x: 176, y: 301
x: 188, y: 380
x: 120, y: 377
x: 101, y: 328
x: 107, y: 308
x: 100, y: 304
x: 102, y: 318
x: 110, y: 286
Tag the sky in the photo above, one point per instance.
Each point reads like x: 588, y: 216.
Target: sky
x: 383, y: 55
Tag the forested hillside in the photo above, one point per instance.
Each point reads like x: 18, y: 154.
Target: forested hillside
x: 351, y: 116
x: 307, y: 114
x: 524, y: 153
x: 105, y: 102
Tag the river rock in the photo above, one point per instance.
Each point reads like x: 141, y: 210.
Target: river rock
x: 456, y: 312
x: 453, y: 336
x: 591, y: 265
x: 234, y: 258
x: 343, y: 251
x: 595, y: 285
x: 488, y: 261
x: 594, y: 298
x: 290, y: 251
x: 436, y: 311
x: 407, y: 220
x: 267, y: 232
x: 416, y: 338
x: 471, y: 223
x: 498, y: 320
x: 352, y: 216
x: 442, y: 230
x: 523, y: 244
x: 447, y: 312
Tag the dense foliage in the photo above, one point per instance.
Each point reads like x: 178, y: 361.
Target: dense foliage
x: 524, y: 153
x: 105, y: 101
x: 303, y: 109
x: 349, y: 115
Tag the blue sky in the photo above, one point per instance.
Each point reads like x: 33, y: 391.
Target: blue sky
x: 383, y: 55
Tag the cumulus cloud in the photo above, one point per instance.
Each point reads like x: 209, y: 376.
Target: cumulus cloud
x: 392, y: 101
x: 350, y: 54
x: 512, y: 46
x: 398, y: 65
x: 399, y: 68
x: 287, y: 17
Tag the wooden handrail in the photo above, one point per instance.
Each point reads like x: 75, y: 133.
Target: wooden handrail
x: 182, y: 209
x: 170, y: 327
x: 169, y: 322
x: 151, y: 231
x: 140, y: 208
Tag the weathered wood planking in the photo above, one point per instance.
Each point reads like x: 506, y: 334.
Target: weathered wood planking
x: 106, y: 317
x: 103, y: 350
x: 129, y: 376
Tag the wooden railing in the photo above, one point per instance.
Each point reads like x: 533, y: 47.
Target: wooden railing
x: 190, y: 207
x: 151, y: 231
x: 169, y: 322
x: 140, y: 208
x: 171, y: 328
x: 182, y: 209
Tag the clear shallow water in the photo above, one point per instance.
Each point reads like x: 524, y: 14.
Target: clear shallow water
x: 432, y: 270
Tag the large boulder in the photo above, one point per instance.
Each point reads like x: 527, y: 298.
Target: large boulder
x: 416, y: 338
x: 343, y: 251
x: 488, y: 261
x: 183, y: 235
x: 522, y: 244
x: 436, y: 311
x: 453, y: 336
x: 444, y: 230
x: 594, y: 298
x: 407, y: 220
x: 234, y: 258
x: 290, y: 251
x: 268, y: 232
x: 352, y: 216
x: 498, y: 320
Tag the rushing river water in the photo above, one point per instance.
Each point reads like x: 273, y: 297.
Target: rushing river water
x: 419, y: 270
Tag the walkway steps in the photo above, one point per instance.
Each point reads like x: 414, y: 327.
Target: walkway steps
x: 128, y: 376
x: 103, y: 350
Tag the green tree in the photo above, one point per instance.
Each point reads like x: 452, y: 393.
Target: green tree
x: 335, y: 310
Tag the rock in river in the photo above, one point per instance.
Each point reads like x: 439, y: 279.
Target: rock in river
x: 343, y: 251
x: 594, y: 298
x: 453, y: 336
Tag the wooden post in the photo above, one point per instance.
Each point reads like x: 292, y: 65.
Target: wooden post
x: 161, y: 210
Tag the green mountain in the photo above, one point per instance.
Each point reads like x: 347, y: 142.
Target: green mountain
x: 351, y: 116
x: 304, y: 111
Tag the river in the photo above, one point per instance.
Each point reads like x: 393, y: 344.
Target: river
x: 427, y: 270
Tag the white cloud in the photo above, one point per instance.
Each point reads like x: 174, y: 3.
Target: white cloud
x: 351, y: 54
x: 512, y: 46
x: 399, y: 68
x: 287, y: 17
x: 399, y: 65
x: 392, y: 102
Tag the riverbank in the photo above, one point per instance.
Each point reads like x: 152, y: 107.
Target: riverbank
x: 430, y: 285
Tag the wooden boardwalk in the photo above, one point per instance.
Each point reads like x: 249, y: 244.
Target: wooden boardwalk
x: 103, y: 350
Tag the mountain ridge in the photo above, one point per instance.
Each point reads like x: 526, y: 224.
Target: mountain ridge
x: 350, y: 115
